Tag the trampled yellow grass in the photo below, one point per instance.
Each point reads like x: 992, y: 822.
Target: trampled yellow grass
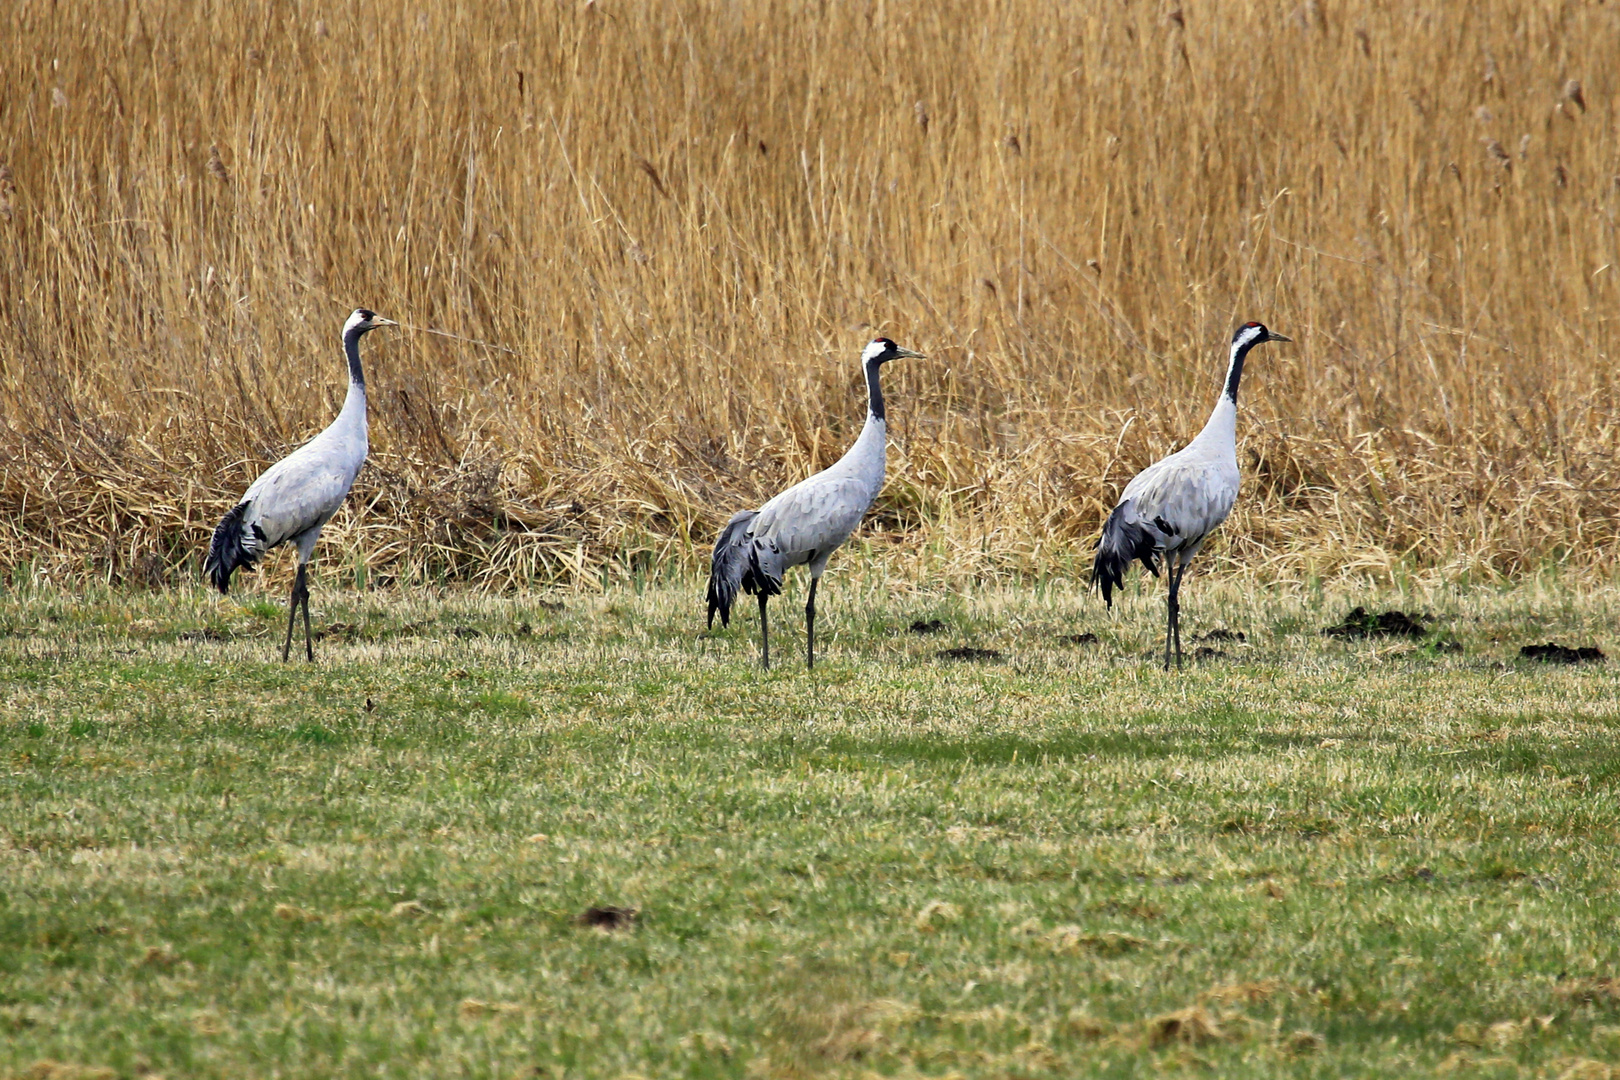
x: 665, y: 230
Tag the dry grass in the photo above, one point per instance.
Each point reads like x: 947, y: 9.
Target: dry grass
x: 675, y: 224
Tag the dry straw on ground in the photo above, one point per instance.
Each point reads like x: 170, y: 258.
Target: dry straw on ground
x: 672, y: 227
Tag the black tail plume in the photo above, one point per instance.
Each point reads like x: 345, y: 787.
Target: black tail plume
x: 1124, y: 539
x: 729, y: 566
x: 234, y: 545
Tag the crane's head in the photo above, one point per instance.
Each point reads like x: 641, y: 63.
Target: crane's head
x: 882, y: 350
x: 1252, y: 333
x: 364, y: 319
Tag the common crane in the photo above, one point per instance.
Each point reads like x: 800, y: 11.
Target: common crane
x: 1171, y: 507
x: 807, y: 522
x: 294, y: 498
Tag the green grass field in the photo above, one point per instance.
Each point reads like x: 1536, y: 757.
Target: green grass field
x: 1307, y: 858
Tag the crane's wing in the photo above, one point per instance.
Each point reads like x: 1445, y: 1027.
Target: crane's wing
x: 1169, y: 506
x: 813, y: 517
x: 1185, y: 496
x: 729, y: 565
x: 756, y: 547
x: 297, y: 494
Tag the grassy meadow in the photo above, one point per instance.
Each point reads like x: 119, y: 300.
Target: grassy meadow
x: 1307, y: 857
x: 661, y: 233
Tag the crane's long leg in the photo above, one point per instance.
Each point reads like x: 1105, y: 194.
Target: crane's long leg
x: 1175, y: 610
x: 1170, y: 611
x: 292, y: 616
x: 810, y: 625
x: 764, y: 636
x: 309, y: 639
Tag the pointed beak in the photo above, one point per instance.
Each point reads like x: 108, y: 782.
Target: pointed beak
x: 1276, y: 337
x: 380, y: 321
x: 907, y: 354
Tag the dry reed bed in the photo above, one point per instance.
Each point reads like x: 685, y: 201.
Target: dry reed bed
x: 672, y: 227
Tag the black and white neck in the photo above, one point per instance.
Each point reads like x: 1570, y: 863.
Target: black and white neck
x: 879, y: 352
x: 353, y: 330
x: 866, y: 457
x: 872, y: 359
x: 1247, y: 337
x: 1222, y: 425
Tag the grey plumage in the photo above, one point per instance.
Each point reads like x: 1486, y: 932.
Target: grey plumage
x: 294, y: 499
x: 806, y: 523
x: 1170, y: 508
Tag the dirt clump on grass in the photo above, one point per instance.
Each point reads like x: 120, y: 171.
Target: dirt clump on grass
x: 607, y: 917
x: 926, y: 626
x: 1078, y: 639
x: 1221, y: 633
x: 1360, y: 624
x: 1554, y: 653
